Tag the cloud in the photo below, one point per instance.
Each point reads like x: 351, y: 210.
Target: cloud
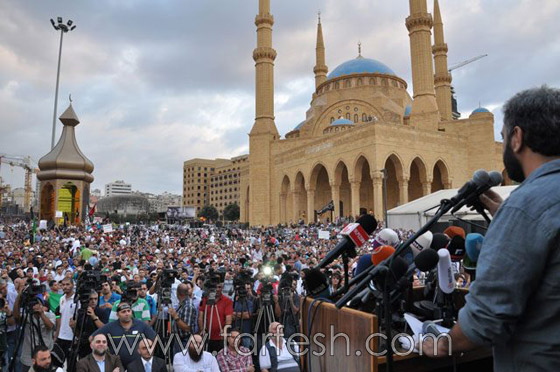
x: 158, y: 82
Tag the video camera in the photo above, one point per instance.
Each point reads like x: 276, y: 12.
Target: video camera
x: 166, y: 280
x: 210, y: 287
x: 88, y: 281
x: 30, y: 295
x: 240, y: 281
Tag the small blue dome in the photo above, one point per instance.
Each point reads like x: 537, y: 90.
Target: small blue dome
x: 480, y: 109
x: 360, y: 65
x: 342, y: 121
x: 407, y: 111
x: 299, y: 125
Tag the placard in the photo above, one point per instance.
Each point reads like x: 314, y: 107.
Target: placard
x: 324, y: 234
x: 107, y: 228
x: 58, y: 214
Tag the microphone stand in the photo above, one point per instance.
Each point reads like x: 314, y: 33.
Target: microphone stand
x: 346, y: 263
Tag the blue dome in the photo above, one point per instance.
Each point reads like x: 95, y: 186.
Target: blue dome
x: 407, y: 111
x: 360, y: 65
x: 342, y: 121
x: 299, y: 125
x: 480, y: 109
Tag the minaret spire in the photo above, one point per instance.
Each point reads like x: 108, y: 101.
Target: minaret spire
x: 419, y: 24
x: 264, y: 132
x: 442, y: 77
x: 320, y: 68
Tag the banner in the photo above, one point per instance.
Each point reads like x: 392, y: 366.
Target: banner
x: 324, y: 234
x: 43, y: 225
x: 58, y: 214
x: 107, y: 228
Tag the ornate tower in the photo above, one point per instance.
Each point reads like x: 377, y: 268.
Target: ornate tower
x: 264, y: 131
x: 320, y: 68
x: 424, y: 107
x: 442, y: 77
x: 65, y: 176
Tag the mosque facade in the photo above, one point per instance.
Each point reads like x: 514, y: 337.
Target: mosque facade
x: 364, y: 138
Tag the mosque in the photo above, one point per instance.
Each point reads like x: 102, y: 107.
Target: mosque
x: 362, y: 131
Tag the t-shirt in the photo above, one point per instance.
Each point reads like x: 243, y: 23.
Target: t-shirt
x: 86, y: 254
x: 217, y: 318
x: 140, y: 310
x: 66, y: 312
x: 184, y: 363
x: 54, y: 300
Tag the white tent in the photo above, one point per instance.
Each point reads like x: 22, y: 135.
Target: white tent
x: 415, y: 214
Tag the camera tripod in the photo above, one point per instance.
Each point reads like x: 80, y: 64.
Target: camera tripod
x: 239, y: 323
x: 289, y: 319
x: 265, y: 314
x: 34, y: 327
x: 81, y: 315
x: 210, y: 305
x: 164, y: 329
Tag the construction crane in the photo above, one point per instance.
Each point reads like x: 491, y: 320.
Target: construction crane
x: 26, y: 164
x: 455, y: 112
x: 461, y: 64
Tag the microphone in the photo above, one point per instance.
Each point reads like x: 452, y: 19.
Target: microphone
x: 439, y: 241
x: 452, y: 231
x: 430, y: 328
x: 374, y: 258
x: 353, y: 235
x: 423, y: 241
x: 315, y: 283
x: 480, y: 178
x: 471, y: 199
x: 446, y: 279
x: 425, y: 261
x: 456, y: 248
x: 385, y: 237
x: 473, y: 245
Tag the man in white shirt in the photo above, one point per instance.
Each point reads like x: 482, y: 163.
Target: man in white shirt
x: 196, y: 359
x: 64, y: 334
x: 283, y: 357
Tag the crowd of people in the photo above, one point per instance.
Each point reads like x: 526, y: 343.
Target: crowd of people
x: 47, y: 300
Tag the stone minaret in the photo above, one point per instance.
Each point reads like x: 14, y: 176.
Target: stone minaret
x: 320, y: 68
x: 442, y: 77
x: 264, y: 131
x: 424, y: 107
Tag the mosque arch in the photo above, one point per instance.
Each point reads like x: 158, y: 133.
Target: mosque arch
x: 299, y: 198
x: 321, y: 190
x: 48, y: 197
x: 342, y: 181
x: 362, y: 174
x: 418, y: 178
x: 440, y: 176
x: 394, y: 168
x: 286, y: 201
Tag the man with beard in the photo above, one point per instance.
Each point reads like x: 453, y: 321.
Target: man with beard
x: 519, y: 315
x: 42, y: 360
x: 99, y: 359
x: 196, y: 359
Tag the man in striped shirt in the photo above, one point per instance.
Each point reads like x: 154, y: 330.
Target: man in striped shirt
x: 235, y: 358
x: 140, y: 307
x: 185, y: 317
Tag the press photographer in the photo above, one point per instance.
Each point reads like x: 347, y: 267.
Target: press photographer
x: 37, y: 324
x: 244, y: 305
x: 215, y: 312
x: 287, y: 303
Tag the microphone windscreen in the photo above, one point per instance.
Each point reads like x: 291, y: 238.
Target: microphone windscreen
x: 364, y: 263
x: 426, y: 260
x: 368, y: 223
x: 452, y: 231
x: 385, y: 237
x: 473, y: 245
x: 481, y: 177
x: 381, y: 253
x: 315, y: 281
x: 439, y: 241
x: 446, y: 278
x: 496, y: 178
x: 423, y: 241
x: 456, y: 248
x: 398, y: 267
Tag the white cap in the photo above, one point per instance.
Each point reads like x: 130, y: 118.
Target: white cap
x: 423, y: 241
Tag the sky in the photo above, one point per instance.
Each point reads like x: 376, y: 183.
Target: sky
x: 156, y: 83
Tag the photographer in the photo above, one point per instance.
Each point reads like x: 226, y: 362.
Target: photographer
x: 185, y: 316
x: 140, y: 307
x: 6, y: 320
x: 38, y: 327
x: 217, y: 310
x: 287, y: 303
x: 91, y: 323
x: 243, y: 308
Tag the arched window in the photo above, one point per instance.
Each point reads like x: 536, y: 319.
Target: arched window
x: 348, y: 115
x: 385, y: 82
x: 360, y: 82
x: 356, y: 118
x: 364, y: 117
x: 347, y: 83
x: 372, y: 81
x: 332, y: 119
x: 336, y: 85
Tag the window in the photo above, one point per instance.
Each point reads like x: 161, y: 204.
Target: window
x: 332, y: 119
x: 360, y: 82
x: 364, y: 117
x: 356, y: 118
x: 336, y: 85
x: 372, y: 81
x: 348, y: 115
x: 347, y: 83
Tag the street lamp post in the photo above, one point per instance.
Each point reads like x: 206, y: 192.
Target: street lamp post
x: 63, y: 28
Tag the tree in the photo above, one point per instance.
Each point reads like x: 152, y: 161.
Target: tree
x: 209, y: 212
x: 231, y: 212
